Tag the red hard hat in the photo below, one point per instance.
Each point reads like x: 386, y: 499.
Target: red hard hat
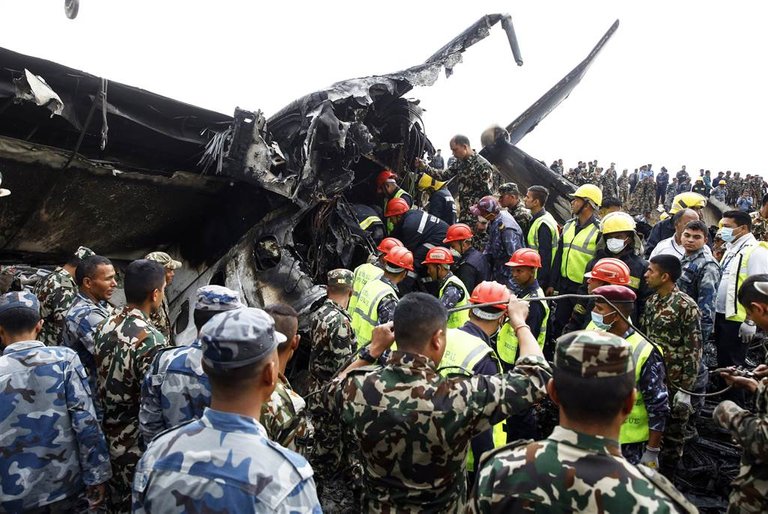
x: 438, y: 255
x: 458, y: 232
x: 388, y: 243
x: 384, y: 176
x: 610, y: 270
x: 490, y: 291
x: 525, y: 257
x: 401, y: 257
x: 396, y: 207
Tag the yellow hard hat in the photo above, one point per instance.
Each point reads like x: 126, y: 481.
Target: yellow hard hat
x: 664, y: 215
x: 617, y: 222
x: 688, y: 200
x: 427, y: 182
x: 590, y: 192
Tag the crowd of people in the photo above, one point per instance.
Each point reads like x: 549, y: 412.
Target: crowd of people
x: 430, y: 364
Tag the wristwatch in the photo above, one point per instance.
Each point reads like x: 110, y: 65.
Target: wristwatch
x: 365, y: 354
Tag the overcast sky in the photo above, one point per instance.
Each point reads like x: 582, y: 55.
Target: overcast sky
x: 681, y: 82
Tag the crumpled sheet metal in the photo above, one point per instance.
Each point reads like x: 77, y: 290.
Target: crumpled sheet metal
x: 33, y: 88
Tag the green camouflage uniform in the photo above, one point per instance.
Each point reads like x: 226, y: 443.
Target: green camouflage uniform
x: 750, y: 488
x: 759, y: 226
x: 572, y: 471
x: 475, y: 178
x: 519, y: 212
x: 125, y: 346
x: 161, y: 320
x: 623, y: 185
x: 285, y: 418
x: 333, y: 342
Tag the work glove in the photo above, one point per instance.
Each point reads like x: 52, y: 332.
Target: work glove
x: 682, y: 402
x: 650, y: 457
x: 747, y: 331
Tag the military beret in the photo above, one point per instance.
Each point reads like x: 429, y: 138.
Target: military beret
x: 19, y: 300
x: 591, y: 354
x: 217, y: 298
x: 82, y: 252
x: 509, y: 188
x: 618, y: 294
x: 163, y: 258
x: 239, y: 337
x: 486, y: 205
x: 340, y: 277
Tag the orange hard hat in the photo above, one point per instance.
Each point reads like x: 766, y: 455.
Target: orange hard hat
x: 490, y: 291
x: 388, y: 243
x: 396, y: 207
x: 385, y: 175
x: 400, y: 257
x: 610, y: 270
x: 525, y: 257
x: 438, y: 255
x: 458, y: 232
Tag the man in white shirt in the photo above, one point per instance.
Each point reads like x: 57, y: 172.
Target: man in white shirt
x: 674, y: 245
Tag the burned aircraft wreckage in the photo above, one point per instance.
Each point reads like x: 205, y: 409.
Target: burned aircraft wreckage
x: 263, y: 206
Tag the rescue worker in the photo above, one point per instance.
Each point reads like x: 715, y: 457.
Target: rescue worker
x: 471, y: 266
x: 370, y: 222
x: 387, y: 188
x: 579, y: 467
x: 504, y: 237
x: 699, y: 186
x: 641, y: 432
x: 665, y: 229
x: 441, y: 203
x: 379, y: 297
x: 607, y: 270
x: 509, y: 198
x: 543, y: 234
x: 371, y: 270
x: 452, y: 292
x: 575, y: 250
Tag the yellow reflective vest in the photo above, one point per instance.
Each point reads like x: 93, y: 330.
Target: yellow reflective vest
x: 533, y: 233
x: 507, y: 343
x: 578, y: 249
x: 366, y: 314
x: 735, y: 311
x: 363, y: 274
x: 457, y: 319
x: 635, y: 427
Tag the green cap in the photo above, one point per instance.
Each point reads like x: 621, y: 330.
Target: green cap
x: 509, y: 188
x: 341, y: 277
x: 592, y: 354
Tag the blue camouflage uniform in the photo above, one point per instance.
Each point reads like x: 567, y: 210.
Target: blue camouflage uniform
x: 504, y: 237
x: 700, y: 280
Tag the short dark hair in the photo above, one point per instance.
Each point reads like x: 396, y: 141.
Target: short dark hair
x: 765, y: 199
x: 286, y: 322
x: 17, y: 321
x: 577, y: 395
x: 539, y: 193
x: 668, y: 264
x: 142, y: 276
x: 748, y: 293
x: 741, y: 218
x: 460, y: 139
x: 73, y: 260
x: 698, y: 226
x: 417, y: 317
x: 88, y: 267
x: 230, y: 381
x: 611, y: 201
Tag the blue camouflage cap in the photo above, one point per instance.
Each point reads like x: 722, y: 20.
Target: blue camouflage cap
x: 592, y: 354
x: 239, y: 337
x: 217, y: 298
x: 83, y: 251
x: 19, y: 300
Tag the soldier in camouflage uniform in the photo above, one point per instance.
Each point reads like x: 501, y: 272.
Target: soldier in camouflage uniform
x: 413, y: 424
x: 609, y: 184
x: 176, y: 389
x: 125, y: 346
x: 623, y: 187
x: 578, y: 470
x: 760, y: 220
x: 285, y: 415
x: 51, y: 444
x: 56, y: 294
x: 224, y: 461
x: 671, y: 320
x: 161, y: 318
x: 475, y: 177
x: 644, y: 198
x: 509, y: 198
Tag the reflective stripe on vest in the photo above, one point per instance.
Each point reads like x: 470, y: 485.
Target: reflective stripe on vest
x: 458, y: 318
x: 363, y: 274
x: 366, y: 315
x: 398, y: 194
x: 740, y: 311
x: 635, y: 427
x: 578, y: 250
x: 507, y: 343
x: 370, y: 220
x: 533, y: 233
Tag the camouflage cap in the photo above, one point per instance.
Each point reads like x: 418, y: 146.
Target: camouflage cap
x: 591, y: 354
x: 217, y: 298
x: 340, y: 277
x: 509, y: 188
x: 83, y: 251
x: 19, y: 300
x: 239, y: 337
x: 163, y: 258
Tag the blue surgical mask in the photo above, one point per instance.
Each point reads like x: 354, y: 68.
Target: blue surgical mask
x: 599, y: 321
x: 726, y: 233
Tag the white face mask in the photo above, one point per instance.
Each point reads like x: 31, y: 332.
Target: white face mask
x: 615, y: 245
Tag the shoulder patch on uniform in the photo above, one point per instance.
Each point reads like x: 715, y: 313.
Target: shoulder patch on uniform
x: 666, y: 486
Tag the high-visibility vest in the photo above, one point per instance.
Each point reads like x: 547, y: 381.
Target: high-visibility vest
x: 635, y: 427
x: 366, y: 315
x: 578, y: 249
x: 462, y: 353
x: 458, y: 318
x: 734, y: 310
x: 363, y: 274
x: 533, y: 233
x: 507, y: 343
x: 391, y: 226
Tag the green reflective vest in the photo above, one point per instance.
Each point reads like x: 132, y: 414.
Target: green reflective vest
x: 734, y: 310
x: 507, y: 343
x: 533, y: 233
x: 398, y: 194
x: 578, y: 250
x: 363, y: 274
x: 366, y: 315
x: 458, y: 318
x: 635, y: 427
